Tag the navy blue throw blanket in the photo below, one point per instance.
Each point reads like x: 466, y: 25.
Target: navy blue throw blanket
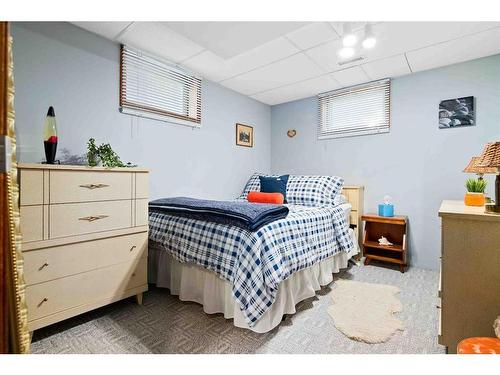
x: 246, y: 215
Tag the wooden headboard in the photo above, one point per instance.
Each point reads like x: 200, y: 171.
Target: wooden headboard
x: 354, y: 195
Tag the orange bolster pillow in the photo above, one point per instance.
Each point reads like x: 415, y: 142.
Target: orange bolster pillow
x: 258, y: 197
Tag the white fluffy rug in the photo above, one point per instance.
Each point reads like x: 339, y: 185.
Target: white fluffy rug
x: 364, y: 311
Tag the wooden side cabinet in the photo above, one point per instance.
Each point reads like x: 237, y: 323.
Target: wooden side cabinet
x: 392, y: 228
x: 470, y: 273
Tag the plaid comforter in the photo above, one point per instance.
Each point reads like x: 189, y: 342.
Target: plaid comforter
x: 255, y: 263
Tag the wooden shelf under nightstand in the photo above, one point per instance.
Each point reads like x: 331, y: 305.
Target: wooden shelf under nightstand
x: 392, y: 228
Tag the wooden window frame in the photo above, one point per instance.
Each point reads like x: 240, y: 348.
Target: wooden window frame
x: 131, y: 105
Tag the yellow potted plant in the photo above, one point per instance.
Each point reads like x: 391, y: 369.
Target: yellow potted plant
x: 475, y: 192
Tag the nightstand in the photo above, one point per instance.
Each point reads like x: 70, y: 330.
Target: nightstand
x: 392, y: 228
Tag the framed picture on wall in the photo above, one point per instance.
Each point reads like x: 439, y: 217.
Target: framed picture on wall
x: 244, y: 135
x: 458, y: 112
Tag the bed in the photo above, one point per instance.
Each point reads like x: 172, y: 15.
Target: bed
x: 255, y: 278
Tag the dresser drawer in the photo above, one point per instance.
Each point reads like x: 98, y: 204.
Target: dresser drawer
x: 56, y: 262
x: 141, y: 185
x: 31, y: 187
x: 32, y: 223
x: 80, y: 218
x: 61, y: 294
x: 85, y: 186
x: 141, y: 212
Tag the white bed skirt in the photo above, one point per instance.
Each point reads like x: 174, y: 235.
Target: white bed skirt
x: 194, y: 283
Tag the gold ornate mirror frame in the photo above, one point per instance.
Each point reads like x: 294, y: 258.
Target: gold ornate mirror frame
x: 14, y: 331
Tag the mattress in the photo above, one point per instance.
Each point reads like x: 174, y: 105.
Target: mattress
x: 255, y: 263
x: 196, y: 284
x: 193, y: 282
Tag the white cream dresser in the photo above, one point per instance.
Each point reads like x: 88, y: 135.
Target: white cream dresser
x: 469, y: 286
x: 85, y: 238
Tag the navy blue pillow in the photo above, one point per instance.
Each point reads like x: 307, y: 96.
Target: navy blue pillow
x: 274, y: 185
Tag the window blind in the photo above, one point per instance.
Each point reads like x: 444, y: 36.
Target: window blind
x: 151, y: 86
x: 357, y: 110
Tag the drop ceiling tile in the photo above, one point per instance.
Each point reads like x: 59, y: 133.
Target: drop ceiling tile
x: 395, y: 38
x: 350, y: 76
x: 326, y: 55
x: 106, y: 29
x: 263, y: 69
x: 208, y: 65
x: 159, y: 40
x: 213, y: 67
x: 292, y: 69
x: 387, y: 68
x: 298, y: 90
x: 354, y: 26
x: 229, y: 39
x: 312, y: 35
x: 469, y: 47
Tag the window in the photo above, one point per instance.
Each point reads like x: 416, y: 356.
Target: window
x: 357, y: 110
x: 152, y: 88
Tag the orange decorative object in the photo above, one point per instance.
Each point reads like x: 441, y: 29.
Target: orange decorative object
x: 474, y: 199
x: 258, y: 197
x: 479, y: 345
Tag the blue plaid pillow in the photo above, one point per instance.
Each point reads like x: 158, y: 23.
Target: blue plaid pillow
x: 253, y: 184
x: 303, y: 190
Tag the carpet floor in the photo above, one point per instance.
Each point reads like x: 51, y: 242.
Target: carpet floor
x: 166, y: 325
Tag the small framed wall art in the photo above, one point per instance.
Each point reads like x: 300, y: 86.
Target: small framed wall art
x: 454, y: 113
x: 244, y: 135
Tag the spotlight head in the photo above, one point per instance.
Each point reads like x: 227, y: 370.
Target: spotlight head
x: 348, y: 37
x: 369, y: 40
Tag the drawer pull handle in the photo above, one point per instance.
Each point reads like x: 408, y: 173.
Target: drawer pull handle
x: 133, y: 274
x: 93, y: 218
x: 42, y: 301
x: 94, y: 186
x: 133, y: 247
x: 43, y: 266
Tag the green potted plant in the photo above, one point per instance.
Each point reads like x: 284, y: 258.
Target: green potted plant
x: 103, y: 155
x: 92, y: 153
x: 475, y: 192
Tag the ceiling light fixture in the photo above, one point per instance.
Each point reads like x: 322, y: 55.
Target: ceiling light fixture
x: 348, y: 37
x: 369, y: 41
x: 346, y: 52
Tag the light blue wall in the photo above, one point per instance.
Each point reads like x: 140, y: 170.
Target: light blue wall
x: 417, y: 164
x: 77, y: 72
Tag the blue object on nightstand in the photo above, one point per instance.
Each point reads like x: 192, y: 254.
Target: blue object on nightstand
x: 386, y: 210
